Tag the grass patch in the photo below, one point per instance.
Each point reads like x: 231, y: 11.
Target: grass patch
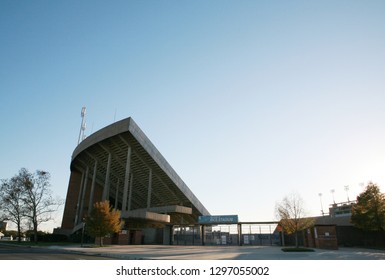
x: 299, y: 249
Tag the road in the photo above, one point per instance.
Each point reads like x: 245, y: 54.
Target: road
x: 8, y: 252
x: 172, y: 252
x: 164, y: 252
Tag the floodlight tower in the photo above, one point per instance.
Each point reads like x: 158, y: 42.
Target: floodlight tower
x: 82, y: 125
x: 332, y: 191
x: 347, y: 191
x: 322, y: 207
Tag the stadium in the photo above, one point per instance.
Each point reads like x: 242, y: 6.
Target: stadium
x: 120, y: 164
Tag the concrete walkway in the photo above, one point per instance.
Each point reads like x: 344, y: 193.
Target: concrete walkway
x: 163, y: 252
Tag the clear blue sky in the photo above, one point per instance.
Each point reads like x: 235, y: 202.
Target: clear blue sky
x: 247, y: 100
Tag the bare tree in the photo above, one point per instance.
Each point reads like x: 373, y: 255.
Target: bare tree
x: 291, y: 213
x: 12, y: 203
x: 38, y: 197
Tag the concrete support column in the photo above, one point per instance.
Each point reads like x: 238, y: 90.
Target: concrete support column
x: 117, y: 194
x: 126, y: 179
x: 106, y: 190
x: 79, y: 199
x: 203, y: 234
x: 130, y: 192
x: 91, y: 200
x: 240, y: 241
x: 83, y: 195
x: 149, y: 189
x: 193, y: 235
x: 167, y: 233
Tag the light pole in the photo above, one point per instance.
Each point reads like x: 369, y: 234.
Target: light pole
x: 332, y: 191
x: 347, y: 192
x: 83, y: 125
x: 322, y: 208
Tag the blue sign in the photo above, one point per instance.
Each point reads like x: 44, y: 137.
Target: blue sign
x: 226, y: 219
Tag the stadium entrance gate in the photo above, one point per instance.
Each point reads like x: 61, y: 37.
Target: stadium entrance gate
x: 228, y: 234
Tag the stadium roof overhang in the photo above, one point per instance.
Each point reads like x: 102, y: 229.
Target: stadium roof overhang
x: 170, y: 198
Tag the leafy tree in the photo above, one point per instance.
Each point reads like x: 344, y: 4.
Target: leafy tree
x: 369, y: 212
x: 11, y: 200
x: 291, y: 213
x: 10, y: 233
x: 103, y: 220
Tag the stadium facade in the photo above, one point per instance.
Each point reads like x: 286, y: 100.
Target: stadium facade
x: 120, y: 164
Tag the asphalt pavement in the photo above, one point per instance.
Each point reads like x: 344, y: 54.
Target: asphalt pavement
x: 21, y: 252
x: 165, y: 252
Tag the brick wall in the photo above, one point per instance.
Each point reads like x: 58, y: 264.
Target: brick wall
x: 326, y: 237
x: 73, y: 196
x: 71, y: 200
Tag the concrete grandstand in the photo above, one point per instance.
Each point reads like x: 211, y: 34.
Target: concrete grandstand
x: 120, y: 164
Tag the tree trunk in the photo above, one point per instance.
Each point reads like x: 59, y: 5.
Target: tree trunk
x: 296, y: 239
x: 18, y: 232
x: 101, y: 241
x: 35, y: 231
